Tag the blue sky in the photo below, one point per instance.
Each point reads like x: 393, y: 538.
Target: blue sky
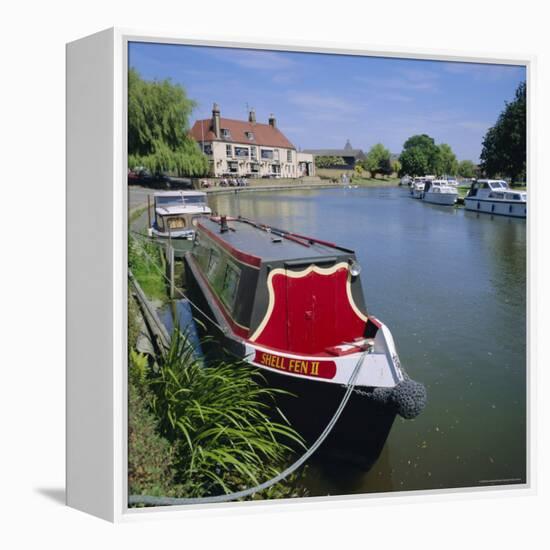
x: 321, y: 100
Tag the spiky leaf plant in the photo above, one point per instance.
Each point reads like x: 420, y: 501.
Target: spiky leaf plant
x: 219, y: 417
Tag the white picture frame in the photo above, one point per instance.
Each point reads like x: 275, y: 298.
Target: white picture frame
x: 96, y: 392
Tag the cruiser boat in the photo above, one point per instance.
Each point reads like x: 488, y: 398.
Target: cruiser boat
x: 175, y: 213
x: 417, y: 188
x: 438, y: 191
x: 293, y: 307
x: 495, y: 197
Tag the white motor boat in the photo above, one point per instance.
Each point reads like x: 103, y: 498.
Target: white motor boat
x: 496, y: 197
x: 438, y: 191
x: 417, y: 188
x: 175, y: 213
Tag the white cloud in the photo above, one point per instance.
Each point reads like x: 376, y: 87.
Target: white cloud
x: 312, y: 101
x: 254, y: 59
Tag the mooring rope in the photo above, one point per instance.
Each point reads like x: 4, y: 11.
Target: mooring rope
x: 170, y: 501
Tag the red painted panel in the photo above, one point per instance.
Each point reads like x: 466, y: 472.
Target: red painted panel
x: 302, y: 367
x: 310, y: 313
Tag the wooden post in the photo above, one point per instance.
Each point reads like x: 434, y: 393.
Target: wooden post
x: 149, y: 211
x: 171, y: 267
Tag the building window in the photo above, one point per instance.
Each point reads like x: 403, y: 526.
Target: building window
x: 228, y: 151
x: 276, y: 154
x: 250, y: 136
x: 254, y: 152
x: 226, y: 133
x: 267, y: 154
x: 289, y: 155
x: 207, y: 148
x: 241, y: 152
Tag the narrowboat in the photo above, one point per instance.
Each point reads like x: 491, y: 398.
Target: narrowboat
x: 293, y: 307
x: 495, y: 197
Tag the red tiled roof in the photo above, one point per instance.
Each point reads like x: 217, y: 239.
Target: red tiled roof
x: 264, y: 134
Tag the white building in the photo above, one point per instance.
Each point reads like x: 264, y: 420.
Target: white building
x: 248, y: 148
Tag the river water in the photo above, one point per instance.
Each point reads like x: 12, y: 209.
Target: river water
x: 451, y: 286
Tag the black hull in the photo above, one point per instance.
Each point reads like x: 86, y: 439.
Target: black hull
x: 361, y: 431
x: 363, y: 427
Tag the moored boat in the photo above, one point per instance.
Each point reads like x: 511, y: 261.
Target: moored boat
x: 496, y: 197
x: 175, y: 213
x: 293, y: 306
x: 438, y: 191
x: 417, y: 188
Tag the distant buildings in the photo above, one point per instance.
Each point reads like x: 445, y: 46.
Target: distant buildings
x: 350, y: 155
x: 248, y: 148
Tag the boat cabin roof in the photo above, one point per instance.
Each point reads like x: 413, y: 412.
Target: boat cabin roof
x: 269, y: 244
x: 493, y: 184
x: 179, y: 194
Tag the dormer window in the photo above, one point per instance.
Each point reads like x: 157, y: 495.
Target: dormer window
x: 226, y: 133
x: 249, y: 136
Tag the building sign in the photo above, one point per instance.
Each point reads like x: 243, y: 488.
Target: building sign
x: 302, y: 367
x: 241, y: 152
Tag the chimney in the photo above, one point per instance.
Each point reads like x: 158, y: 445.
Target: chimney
x: 252, y: 116
x: 272, y: 121
x: 216, y: 121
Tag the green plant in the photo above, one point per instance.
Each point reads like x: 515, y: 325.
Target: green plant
x: 505, y: 144
x: 146, y: 262
x: 218, y: 417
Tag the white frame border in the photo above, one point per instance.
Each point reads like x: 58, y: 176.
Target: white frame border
x: 122, y: 37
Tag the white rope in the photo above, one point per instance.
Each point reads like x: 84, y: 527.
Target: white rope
x: 168, y: 501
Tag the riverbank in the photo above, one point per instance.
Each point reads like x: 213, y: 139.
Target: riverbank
x: 293, y: 186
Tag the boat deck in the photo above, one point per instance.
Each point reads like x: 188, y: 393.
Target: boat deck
x: 270, y: 246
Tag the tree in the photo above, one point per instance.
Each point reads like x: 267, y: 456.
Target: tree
x: 420, y: 156
x: 378, y: 160
x: 447, y: 161
x: 158, y: 124
x: 505, y: 144
x: 327, y: 161
x: 466, y: 169
x: 395, y: 166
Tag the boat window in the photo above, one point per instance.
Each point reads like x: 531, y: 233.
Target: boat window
x: 213, y: 262
x: 176, y: 223
x: 169, y: 201
x: 230, y: 283
x: 496, y: 195
x: 194, y: 199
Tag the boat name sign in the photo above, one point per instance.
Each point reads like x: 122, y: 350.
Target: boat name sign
x: 303, y: 367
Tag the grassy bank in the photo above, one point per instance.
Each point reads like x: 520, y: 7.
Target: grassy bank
x: 146, y: 261
x: 198, y: 427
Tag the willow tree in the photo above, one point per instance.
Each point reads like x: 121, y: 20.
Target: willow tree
x: 158, y: 125
x: 448, y: 163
